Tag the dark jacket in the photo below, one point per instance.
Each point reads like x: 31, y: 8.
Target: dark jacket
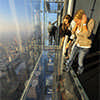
x: 52, y: 29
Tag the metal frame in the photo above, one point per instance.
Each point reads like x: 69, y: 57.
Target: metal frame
x: 54, y: 1
x: 23, y: 97
x: 48, y: 6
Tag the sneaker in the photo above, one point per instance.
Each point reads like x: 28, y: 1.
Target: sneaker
x: 80, y: 70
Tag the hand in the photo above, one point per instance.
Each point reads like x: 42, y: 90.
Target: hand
x: 84, y: 19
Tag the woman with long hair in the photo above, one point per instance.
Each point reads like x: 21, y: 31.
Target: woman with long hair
x: 82, y: 44
x: 63, y: 30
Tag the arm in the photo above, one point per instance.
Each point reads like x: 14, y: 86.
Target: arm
x: 62, y: 41
x: 84, y: 26
x: 84, y: 21
x: 74, y: 29
x: 54, y: 22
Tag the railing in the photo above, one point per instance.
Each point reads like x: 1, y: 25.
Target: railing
x: 24, y: 94
x: 78, y: 85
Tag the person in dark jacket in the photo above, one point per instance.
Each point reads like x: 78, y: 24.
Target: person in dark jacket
x: 51, y: 31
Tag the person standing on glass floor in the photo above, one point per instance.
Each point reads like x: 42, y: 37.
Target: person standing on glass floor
x: 82, y: 44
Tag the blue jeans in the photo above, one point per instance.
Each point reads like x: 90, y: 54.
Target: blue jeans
x: 81, y: 55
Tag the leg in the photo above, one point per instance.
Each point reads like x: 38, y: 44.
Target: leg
x: 50, y: 39
x: 74, y: 52
x: 81, y: 56
x: 54, y: 37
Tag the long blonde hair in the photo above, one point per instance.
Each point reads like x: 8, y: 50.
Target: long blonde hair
x: 78, y: 15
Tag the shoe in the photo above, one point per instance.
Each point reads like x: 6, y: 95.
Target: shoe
x: 80, y: 70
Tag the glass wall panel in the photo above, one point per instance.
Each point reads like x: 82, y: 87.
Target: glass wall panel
x: 20, y: 45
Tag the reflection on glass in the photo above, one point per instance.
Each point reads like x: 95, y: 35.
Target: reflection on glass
x: 20, y: 45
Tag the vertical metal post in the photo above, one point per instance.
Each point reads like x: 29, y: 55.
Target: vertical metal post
x: 70, y: 7
x: 63, y: 50
x: 58, y: 23
x: 92, y: 9
x: 41, y: 24
x: 65, y: 8
x: 44, y: 24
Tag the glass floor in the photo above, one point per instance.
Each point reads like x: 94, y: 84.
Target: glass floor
x: 45, y: 84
